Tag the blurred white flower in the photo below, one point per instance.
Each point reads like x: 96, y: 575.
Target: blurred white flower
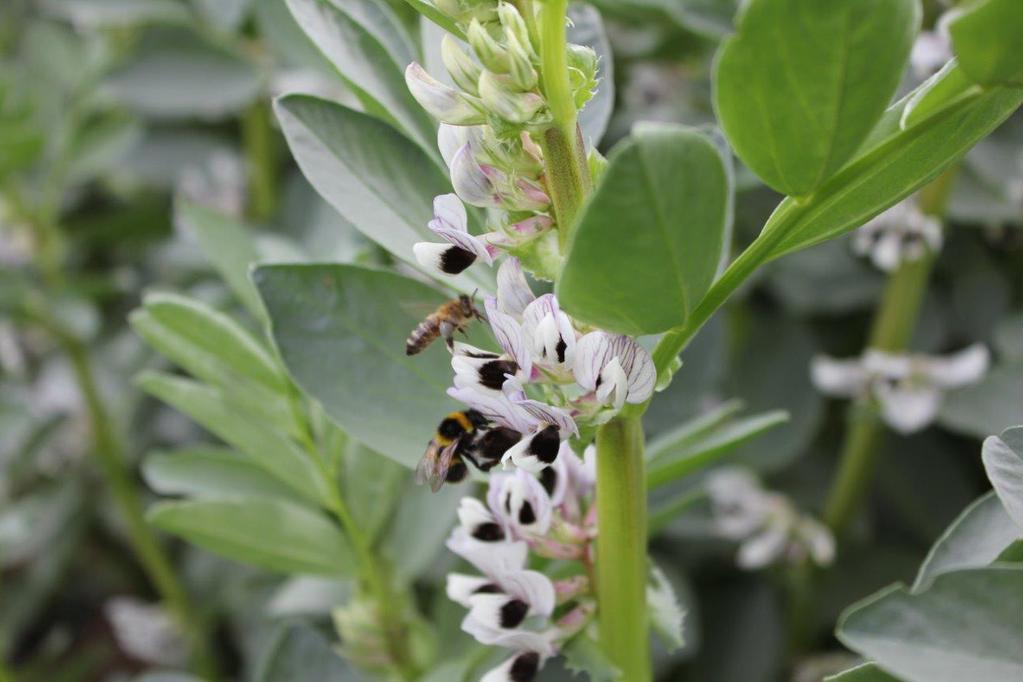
x: 767, y: 525
x: 931, y: 49
x: 146, y: 632
x: 908, y: 388
x: 901, y: 234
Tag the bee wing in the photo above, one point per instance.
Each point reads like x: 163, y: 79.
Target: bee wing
x: 433, y: 467
x: 418, y: 309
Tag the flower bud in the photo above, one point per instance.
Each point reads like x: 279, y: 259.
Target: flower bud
x: 464, y: 70
x: 500, y: 97
x: 520, y: 69
x: 515, y: 27
x: 582, y: 72
x: 440, y: 101
x: 490, y: 53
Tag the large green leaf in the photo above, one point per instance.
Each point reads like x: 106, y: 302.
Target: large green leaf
x: 360, y: 38
x: 415, y: 537
x: 868, y: 672
x: 977, y: 538
x: 341, y: 332
x: 802, y: 82
x: 273, y: 534
x: 298, y: 653
x: 649, y: 241
x: 215, y: 412
x: 965, y: 626
x: 1003, y: 461
x: 206, y: 471
x: 893, y: 163
x: 986, y: 38
x: 174, y: 74
x: 378, y: 180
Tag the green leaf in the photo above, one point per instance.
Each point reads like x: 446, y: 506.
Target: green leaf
x: 436, y: 16
x: 217, y: 334
x: 965, y: 626
x: 649, y: 241
x: 988, y: 406
x: 584, y: 656
x: 693, y: 429
x: 892, y: 164
x: 976, y: 538
x: 1003, y: 461
x: 272, y: 534
x: 378, y: 180
x: 986, y: 38
x: 802, y: 82
x: 416, y: 534
x: 868, y: 672
x: 174, y: 75
x: 372, y: 487
x: 675, y: 460
x: 359, y: 39
x: 211, y: 472
x: 298, y: 653
x: 341, y: 332
x: 275, y: 453
x: 228, y: 245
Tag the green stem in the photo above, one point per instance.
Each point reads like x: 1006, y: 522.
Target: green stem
x: 111, y: 456
x: 622, y: 547
x: 567, y: 171
x: 260, y: 161
x: 892, y: 331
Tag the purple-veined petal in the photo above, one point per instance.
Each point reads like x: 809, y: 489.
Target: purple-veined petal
x: 464, y: 241
x: 440, y: 101
x: 508, y: 333
x: 449, y: 213
x: 604, y: 362
x: 513, y: 292
x: 471, y: 182
x: 495, y: 407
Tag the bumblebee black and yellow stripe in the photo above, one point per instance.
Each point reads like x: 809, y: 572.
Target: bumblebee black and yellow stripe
x: 454, y: 426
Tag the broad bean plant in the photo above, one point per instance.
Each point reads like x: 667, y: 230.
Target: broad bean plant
x: 456, y: 364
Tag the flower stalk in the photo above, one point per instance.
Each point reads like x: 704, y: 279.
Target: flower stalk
x: 892, y: 331
x: 622, y: 547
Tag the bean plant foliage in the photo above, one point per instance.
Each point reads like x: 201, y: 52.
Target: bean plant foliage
x: 491, y: 340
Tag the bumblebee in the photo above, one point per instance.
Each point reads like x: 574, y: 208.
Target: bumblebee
x: 463, y: 436
x: 448, y: 319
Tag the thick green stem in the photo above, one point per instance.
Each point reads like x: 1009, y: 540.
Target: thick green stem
x: 111, y: 457
x: 260, y: 161
x: 567, y: 173
x: 621, y: 548
x: 892, y: 331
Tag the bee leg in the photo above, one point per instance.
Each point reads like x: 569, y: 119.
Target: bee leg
x: 472, y: 458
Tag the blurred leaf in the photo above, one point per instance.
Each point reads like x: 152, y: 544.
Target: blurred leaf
x: 1009, y: 338
x: 208, y: 406
x: 371, y: 175
x: 868, y: 672
x: 962, y: 627
x: 587, y: 28
x: 224, y: 15
x: 672, y: 460
x: 693, y: 429
x: 985, y: 36
x: 987, y: 407
x: 174, y: 74
x: 269, y: 533
x: 825, y: 280
x: 211, y: 472
x: 372, y: 486
x: 299, y: 653
x: 218, y: 334
x: 100, y: 149
x: 96, y: 14
x: 428, y: 10
x: 671, y: 185
x: 1003, y: 461
x: 802, y: 82
x: 362, y: 40
x: 583, y: 656
x: 421, y: 524
x: 309, y: 595
x: 229, y: 246
x: 341, y: 332
x: 977, y: 538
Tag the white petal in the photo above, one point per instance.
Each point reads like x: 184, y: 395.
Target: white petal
x: 450, y: 211
x: 492, y: 558
x: 470, y: 182
x: 959, y: 369
x: 590, y: 358
x: 762, y: 549
x: 519, y: 668
x: 493, y: 612
x: 513, y: 292
x: 614, y: 384
x: 431, y: 255
x: 532, y: 587
x: 440, y: 101
x: 473, y: 513
x: 818, y: 540
x: 495, y: 407
x: 642, y: 375
x: 449, y: 140
x: 461, y: 587
x: 892, y: 366
x: 548, y: 414
x: 844, y: 378
x: 509, y: 335
x: 908, y: 409
x: 521, y: 502
x: 517, y: 639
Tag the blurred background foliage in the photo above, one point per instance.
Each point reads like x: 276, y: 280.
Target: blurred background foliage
x: 126, y: 126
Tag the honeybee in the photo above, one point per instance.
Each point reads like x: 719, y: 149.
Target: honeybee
x: 449, y: 318
x: 463, y: 436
